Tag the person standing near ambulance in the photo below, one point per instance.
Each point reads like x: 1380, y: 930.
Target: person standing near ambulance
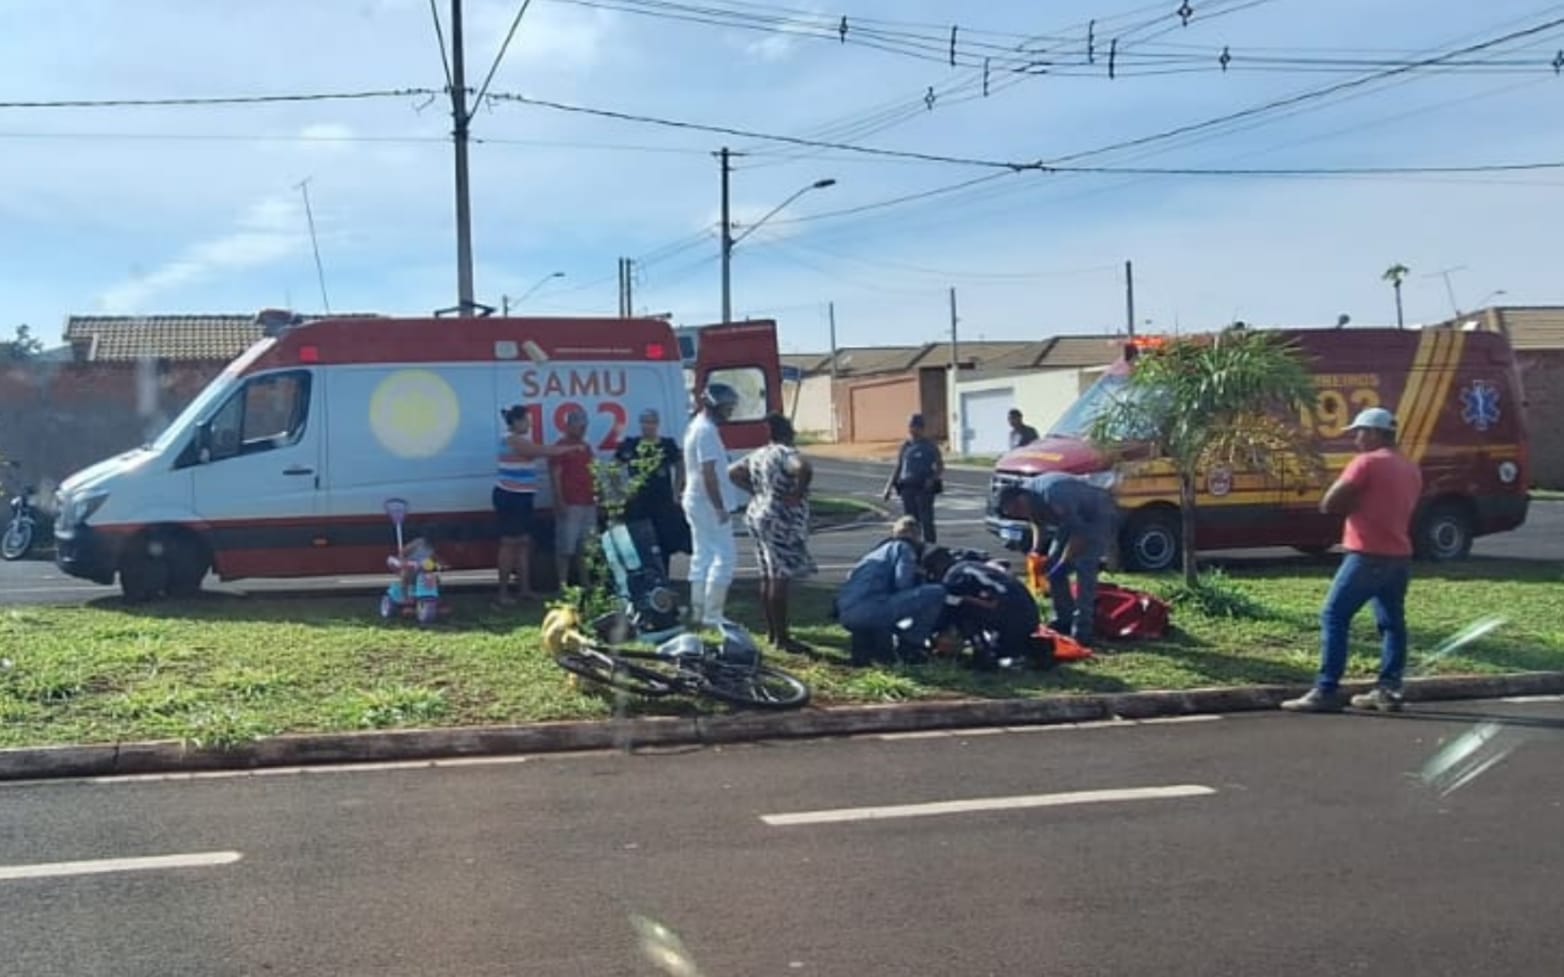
x: 515, y: 491
x: 575, y: 499
x: 708, y: 506
x: 1378, y: 493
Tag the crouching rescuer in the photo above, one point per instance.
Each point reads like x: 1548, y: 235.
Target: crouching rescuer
x: 1083, y: 517
x: 886, y: 606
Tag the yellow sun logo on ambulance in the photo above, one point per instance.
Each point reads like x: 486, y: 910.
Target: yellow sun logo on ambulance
x: 414, y: 413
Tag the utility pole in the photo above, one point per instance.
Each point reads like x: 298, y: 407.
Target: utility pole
x: 505, y: 306
x: 727, y: 240
x: 831, y: 315
x: 629, y: 287
x: 1129, y: 297
x: 954, y: 407
x: 461, y: 118
x: 621, y: 268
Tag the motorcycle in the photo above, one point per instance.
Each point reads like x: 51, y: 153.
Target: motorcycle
x: 22, y: 529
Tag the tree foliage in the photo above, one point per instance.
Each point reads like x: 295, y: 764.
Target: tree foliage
x: 1229, y: 400
x: 22, y: 346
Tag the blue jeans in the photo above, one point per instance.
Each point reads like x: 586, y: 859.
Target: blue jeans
x: 924, y: 604
x: 1362, y: 579
x: 1076, y: 614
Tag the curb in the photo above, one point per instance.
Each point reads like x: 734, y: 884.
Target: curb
x: 41, y: 763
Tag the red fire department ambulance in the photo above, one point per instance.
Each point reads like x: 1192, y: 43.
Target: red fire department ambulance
x: 1458, y: 402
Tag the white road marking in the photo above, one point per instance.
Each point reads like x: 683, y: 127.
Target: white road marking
x: 1177, y: 720
x: 1524, y: 699
x: 313, y: 770
x: 1115, y: 723
x: 932, y: 734
x: 986, y: 804
x: 49, y: 870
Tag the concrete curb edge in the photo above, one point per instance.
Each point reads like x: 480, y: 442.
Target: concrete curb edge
x: 102, y: 760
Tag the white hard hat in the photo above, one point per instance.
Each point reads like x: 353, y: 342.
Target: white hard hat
x: 1374, y: 418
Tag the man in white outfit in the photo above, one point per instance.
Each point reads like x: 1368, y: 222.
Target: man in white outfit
x: 709, y: 499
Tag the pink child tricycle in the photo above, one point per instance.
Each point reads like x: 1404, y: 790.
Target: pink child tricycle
x: 416, y: 590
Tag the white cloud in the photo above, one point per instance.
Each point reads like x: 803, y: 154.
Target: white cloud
x: 270, y: 230
x: 772, y: 48
x: 330, y: 135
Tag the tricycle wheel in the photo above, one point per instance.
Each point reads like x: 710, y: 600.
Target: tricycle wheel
x: 388, y: 607
x: 428, y: 611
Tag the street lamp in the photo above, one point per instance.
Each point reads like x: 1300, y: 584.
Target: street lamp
x: 728, y: 240
x: 1491, y: 295
x: 505, y: 301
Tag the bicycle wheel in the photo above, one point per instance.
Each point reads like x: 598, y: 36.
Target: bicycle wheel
x: 616, y: 672
x: 761, y: 687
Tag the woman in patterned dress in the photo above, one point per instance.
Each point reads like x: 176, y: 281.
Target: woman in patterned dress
x: 777, y: 478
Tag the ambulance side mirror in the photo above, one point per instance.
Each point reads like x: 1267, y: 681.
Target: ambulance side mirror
x: 203, y: 443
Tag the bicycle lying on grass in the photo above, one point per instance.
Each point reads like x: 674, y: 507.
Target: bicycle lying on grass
x: 729, y: 670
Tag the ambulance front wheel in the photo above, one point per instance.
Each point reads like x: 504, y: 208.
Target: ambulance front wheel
x: 1152, y: 541
x: 143, y: 570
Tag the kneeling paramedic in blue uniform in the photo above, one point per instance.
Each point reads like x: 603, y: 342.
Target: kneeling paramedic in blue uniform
x: 992, y: 611
x: 885, y: 601
x: 1083, y: 517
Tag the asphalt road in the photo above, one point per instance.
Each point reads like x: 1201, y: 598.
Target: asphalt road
x: 959, y: 514
x: 1240, y: 846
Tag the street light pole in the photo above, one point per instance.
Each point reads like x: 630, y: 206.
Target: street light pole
x: 728, y: 240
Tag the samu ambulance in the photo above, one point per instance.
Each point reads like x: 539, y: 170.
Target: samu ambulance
x: 1459, y: 410
x: 281, y: 467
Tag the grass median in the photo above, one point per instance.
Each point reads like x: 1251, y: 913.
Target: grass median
x: 220, y: 669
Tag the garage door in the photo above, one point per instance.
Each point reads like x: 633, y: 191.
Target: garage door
x: 985, y: 424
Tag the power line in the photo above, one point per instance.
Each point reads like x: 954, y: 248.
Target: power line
x: 1049, y: 166
x: 504, y: 46
x: 118, y: 103
x: 750, y: 133
x: 439, y: 35
x: 1315, y: 93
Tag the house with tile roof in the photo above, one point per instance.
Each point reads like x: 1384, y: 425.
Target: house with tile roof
x: 168, y: 338
x: 874, y: 389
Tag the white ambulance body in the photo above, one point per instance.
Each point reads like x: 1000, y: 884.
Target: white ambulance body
x: 281, y: 467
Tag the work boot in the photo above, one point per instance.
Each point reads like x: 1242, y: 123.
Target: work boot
x: 1315, y: 700
x: 1380, y: 700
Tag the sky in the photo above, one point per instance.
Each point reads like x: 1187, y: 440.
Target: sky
x: 197, y: 209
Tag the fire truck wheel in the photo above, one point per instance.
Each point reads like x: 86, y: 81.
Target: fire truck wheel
x: 1150, y: 541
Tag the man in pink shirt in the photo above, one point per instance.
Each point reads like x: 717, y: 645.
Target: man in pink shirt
x: 1378, y: 493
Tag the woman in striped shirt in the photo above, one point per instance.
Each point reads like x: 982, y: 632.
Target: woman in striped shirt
x: 514, y: 491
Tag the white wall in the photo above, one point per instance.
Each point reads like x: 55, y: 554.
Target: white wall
x: 813, y: 414
x: 1042, y: 395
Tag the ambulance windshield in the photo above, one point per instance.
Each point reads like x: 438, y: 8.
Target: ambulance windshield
x: 1077, y: 422
x: 215, y: 391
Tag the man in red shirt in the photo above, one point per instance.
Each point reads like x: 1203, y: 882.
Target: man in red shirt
x: 1378, y: 493
x: 575, y: 499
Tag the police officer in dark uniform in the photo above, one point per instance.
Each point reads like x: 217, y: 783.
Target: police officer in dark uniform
x: 918, y: 477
